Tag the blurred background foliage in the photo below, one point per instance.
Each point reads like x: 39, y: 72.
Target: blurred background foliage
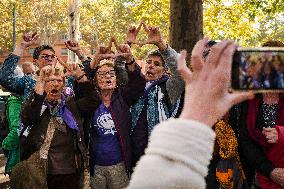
x: 249, y: 22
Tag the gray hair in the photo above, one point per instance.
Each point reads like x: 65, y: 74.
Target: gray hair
x: 18, y: 71
x: 157, y: 53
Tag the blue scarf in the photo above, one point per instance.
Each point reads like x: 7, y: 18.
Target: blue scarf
x: 151, y: 97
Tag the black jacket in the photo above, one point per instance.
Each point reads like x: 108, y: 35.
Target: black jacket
x: 122, y: 98
x: 37, y: 123
x: 251, y: 153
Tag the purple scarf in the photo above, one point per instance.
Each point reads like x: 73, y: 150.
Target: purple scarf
x: 66, y: 115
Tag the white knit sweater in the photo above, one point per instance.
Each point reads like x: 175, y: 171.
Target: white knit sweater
x: 177, y: 156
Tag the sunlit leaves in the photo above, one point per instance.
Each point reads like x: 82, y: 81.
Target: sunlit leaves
x: 250, y: 22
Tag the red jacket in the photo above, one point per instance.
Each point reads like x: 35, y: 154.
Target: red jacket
x: 274, y: 153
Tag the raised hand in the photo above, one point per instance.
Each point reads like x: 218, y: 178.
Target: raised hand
x: 77, y: 72
x: 74, y: 70
x: 132, y: 34
x: 154, y: 37
x: 206, y: 92
x: 107, y: 49
x: 27, y: 40
x: 72, y: 46
x: 124, y: 51
x: 44, y: 75
x: 64, y: 64
x: 102, y: 52
x: 75, y: 47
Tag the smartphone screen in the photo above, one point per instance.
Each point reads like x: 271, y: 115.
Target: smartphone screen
x: 258, y: 69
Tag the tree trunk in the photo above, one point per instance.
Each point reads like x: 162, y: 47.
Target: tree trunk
x: 186, y: 24
x: 74, y: 17
x: 14, y: 25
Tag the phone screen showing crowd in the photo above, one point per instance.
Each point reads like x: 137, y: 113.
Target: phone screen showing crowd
x: 258, y: 70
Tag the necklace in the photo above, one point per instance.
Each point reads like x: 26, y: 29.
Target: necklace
x: 269, y: 113
x: 53, y: 110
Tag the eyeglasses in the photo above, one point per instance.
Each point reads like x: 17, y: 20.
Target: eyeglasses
x: 103, y: 74
x: 47, y: 57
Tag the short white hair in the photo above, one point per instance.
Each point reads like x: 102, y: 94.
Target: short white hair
x: 18, y: 71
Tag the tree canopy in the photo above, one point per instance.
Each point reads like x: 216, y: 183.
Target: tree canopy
x: 250, y: 22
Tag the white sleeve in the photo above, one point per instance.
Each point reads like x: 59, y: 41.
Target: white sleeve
x: 177, y: 156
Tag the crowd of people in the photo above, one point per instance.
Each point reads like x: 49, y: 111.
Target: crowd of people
x: 104, y: 123
x: 262, y: 71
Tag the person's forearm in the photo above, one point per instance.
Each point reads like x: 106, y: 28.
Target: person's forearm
x: 170, y: 57
x: 162, y: 45
x: 131, y: 65
x: 121, y: 71
x: 7, y: 77
x: 39, y: 87
x: 135, y: 85
x: 8, y: 66
x: 166, y: 156
x: 81, y: 55
x: 90, y: 73
x: 19, y: 50
x: 175, y: 84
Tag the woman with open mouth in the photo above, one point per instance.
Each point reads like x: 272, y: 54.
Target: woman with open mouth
x: 110, y: 147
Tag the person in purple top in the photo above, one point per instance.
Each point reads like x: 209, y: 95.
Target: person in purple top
x: 110, y: 144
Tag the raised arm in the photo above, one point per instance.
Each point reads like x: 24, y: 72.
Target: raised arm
x: 86, y: 96
x: 31, y: 109
x: 135, y: 85
x: 175, y: 84
x: 8, y: 78
x: 75, y: 47
x: 166, y: 162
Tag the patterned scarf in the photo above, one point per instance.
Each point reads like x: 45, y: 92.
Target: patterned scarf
x: 157, y: 110
x: 62, y: 111
x: 48, y: 138
x: 229, y: 172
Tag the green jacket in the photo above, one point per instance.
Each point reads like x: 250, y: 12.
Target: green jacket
x: 10, y: 144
